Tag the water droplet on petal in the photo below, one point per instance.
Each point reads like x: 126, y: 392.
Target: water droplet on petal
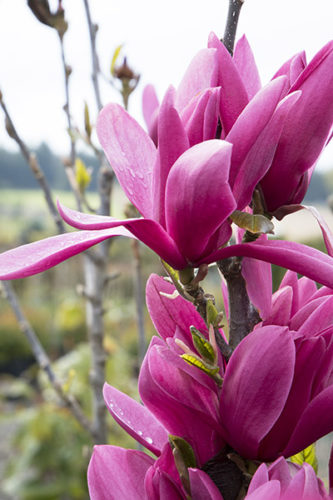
x: 149, y: 440
x: 140, y: 433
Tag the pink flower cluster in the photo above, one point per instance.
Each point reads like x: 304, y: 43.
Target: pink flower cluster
x: 276, y: 399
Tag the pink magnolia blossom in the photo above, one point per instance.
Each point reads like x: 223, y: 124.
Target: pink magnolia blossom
x: 293, y: 147
x: 283, y: 480
x: 119, y: 474
x: 277, y: 383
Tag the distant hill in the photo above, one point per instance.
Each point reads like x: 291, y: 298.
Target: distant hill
x: 16, y: 174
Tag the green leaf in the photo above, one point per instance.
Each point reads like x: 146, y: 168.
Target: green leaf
x: 204, y: 348
x: 211, y: 313
x: 308, y: 455
x: 185, y: 449
x: 82, y: 175
x: 87, y: 124
x: 114, y: 58
x: 253, y: 223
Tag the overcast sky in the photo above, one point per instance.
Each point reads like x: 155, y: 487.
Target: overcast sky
x: 159, y: 37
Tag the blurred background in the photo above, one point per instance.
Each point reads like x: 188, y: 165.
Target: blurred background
x: 44, y: 451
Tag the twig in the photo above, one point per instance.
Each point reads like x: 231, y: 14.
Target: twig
x: 94, y: 280
x: 95, y: 64
x: 138, y: 292
x: 35, y: 168
x: 43, y: 360
x: 231, y: 25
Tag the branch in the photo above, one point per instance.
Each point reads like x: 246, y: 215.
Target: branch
x: 43, y: 360
x: 92, y: 34
x: 35, y: 168
x: 231, y: 25
x: 243, y: 316
x: 94, y: 277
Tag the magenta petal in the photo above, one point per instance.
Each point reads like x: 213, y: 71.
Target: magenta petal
x: 200, y: 117
x: 252, y: 121
x: 327, y: 234
x: 257, y: 382
x: 131, y: 153
x: 300, y: 258
x: 36, y: 257
x: 304, y: 485
x: 330, y: 473
x: 261, y: 154
x: 234, y: 97
x: 198, y: 196
x: 281, y: 307
x: 137, y: 421
x: 292, y: 68
x: 305, y: 132
x: 201, y: 74
x: 117, y: 474
x: 315, y: 422
x: 270, y: 490
x: 202, y: 487
x: 148, y: 231
x: 319, y: 319
x: 309, y: 356
x: 260, y: 477
x: 258, y: 277
x: 150, y: 105
x: 246, y: 65
x: 168, y: 312
x: 172, y: 142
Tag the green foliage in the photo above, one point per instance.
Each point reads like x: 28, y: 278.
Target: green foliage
x: 308, y: 455
x: 51, y: 456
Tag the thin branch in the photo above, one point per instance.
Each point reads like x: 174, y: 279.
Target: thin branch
x: 95, y: 64
x: 35, y: 168
x: 43, y: 360
x: 231, y: 25
x: 94, y: 276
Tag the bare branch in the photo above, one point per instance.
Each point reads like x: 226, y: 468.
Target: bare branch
x: 95, y: 64
x: 243, y: 316
x: 43, y: 360
x: 231, y: 25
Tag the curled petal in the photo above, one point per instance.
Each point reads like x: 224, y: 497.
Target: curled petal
x: 39, y: 256
x: 246, y: 65
x: 300, y: 258
x: 202, y: 487
x: 131, y: 153
x: 167, y: 313
x: 315, y: 422
x: 150, y: 105
x: 234, y: 97
x: 137, y: 421
x: 198, y: 196
x: 257, y: 381
x: 148, y: 231
x: 172, y: 142
x: 201, y: 74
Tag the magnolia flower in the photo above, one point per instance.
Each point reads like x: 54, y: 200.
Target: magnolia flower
x: 276, y: 385
x: 119, y: 474
x: 283, y: 480
x: 296, y: 147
